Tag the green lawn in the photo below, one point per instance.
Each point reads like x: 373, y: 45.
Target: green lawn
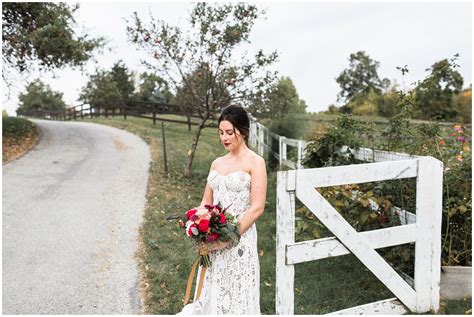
x: 320, y: 286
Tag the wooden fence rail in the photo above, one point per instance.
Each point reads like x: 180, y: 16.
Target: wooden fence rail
x: 137, y: 109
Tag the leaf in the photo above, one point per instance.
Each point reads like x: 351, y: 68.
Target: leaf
x: 462, y: 209
x: 364, y: 217
x: 452, y: 211
x: 316, y: 233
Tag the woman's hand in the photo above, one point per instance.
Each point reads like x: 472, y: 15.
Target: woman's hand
x: 218, y: 245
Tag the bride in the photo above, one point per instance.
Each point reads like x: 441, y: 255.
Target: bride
x: 239, y: 180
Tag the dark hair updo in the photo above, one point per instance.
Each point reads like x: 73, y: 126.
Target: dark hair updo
x: 239, y: 118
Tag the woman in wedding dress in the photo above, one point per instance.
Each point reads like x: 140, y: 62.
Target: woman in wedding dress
x: 239, y: 180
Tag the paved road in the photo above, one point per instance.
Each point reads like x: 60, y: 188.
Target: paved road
x: 72, y: 207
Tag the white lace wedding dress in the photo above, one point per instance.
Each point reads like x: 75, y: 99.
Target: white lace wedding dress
x: 232, y: 283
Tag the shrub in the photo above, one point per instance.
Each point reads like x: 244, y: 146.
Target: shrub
x: 451, y: 146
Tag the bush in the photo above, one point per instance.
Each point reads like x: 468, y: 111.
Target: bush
x: 451, y: 146
x: 17, y: 128
x: 19, y: 135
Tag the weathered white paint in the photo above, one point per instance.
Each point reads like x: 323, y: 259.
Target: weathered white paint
x: 429, y: 193
x: 390, y: 306
x: 285, y: 227
x: 328, y: 247
x: 358, y: 173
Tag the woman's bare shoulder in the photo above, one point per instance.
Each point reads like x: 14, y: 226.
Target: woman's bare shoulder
x: 255, y: 157
x: 255, y: 160
x: 217, y: 161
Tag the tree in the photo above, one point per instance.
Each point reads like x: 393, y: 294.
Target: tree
x: 215, y: 33
x: 435, y: 93
x: 123, y: 80
x: 387, y: 105
x: 281, y: 99
x: 153, y: 88
x: 40, y: 96
x: 42, y: 33
x: 360, y: 78
x: 101, y: 91
x: 462, y: 104
x: 194, y: 85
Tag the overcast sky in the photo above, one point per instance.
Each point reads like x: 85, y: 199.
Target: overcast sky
x: 314, y: 41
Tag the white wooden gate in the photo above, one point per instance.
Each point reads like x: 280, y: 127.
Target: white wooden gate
x: 425, y: 232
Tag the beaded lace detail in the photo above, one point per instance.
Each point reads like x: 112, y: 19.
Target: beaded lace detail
x: 232, y: 283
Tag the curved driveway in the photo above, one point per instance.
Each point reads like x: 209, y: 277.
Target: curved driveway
x: 71, y: 211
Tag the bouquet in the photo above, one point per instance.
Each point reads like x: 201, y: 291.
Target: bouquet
x: 205, y: 225
x: 208, y: 224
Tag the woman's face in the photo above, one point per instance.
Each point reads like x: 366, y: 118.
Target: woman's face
x: 230, y: 137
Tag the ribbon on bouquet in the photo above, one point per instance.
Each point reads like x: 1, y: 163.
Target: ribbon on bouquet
x: 202, y: 253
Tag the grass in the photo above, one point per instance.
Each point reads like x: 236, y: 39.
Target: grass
x: 167, y: 256
x: 18, y: 136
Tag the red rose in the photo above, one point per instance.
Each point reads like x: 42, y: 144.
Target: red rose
x: 190, y: 213
x: 223, y: 218
x: 212, y: 237
x: 203, y: 225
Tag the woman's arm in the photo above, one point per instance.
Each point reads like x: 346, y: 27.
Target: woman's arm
x: 207, y: 198
x: 258, y: 194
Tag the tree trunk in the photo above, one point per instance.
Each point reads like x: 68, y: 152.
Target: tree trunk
x: 189, y: 161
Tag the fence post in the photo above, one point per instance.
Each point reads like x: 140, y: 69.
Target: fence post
x: 106, y: 112
x: 280, y: 150
x: 91, y: 111
x: 164, y: 147
x: 124, y: 111
x: 285, y: 235
x: 260, y: 139
x: 300, y: 152
x: 82, y: 112
x: 284, y: 148
x: 429, y: 196
x: 154, y: 117
x: 75, y: 115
